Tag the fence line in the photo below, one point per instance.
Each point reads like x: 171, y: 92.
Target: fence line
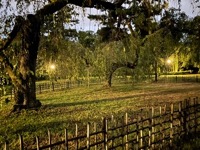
x: 156, y: 128
x: 180, y: 78
x: 51, y: 86
x: 54, y: 85
x: 42, y: 87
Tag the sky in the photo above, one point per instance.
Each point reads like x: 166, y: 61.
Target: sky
x: 187, y: 7
x: 86, y: 24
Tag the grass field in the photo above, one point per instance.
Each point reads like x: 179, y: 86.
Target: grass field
x: 63, y: 109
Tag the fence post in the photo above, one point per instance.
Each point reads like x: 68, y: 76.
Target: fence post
x: 112, y: 126
x: 40, y: 88
x: 37, y: 142
x: 161, y: 127
x: 6, y: 146
x: 152, y: 128
x: 52, y: 86
x: 49, y: 135
x: 21, y: 142
x: 105, y: 126
x: 150, y: 134
x: 126, y: 133
x: 185, y: 129
x: 76, y: 135
x: 181, y: 129
x: 95, y: 137
x: 141, y: 139
x: 149, y: 141
x: 141, y: 130
x: 137, y: 132
x: 88, y: 135
x: 66, y: 140
x: 171, y: 124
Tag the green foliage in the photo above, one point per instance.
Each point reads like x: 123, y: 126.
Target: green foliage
x: 87, y: 39
x: 109, y: 34
x: 192, y: 39
x: 158, y: 46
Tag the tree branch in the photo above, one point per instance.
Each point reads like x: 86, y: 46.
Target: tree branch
x: 119, y: 3
x: 130, y: 65
x: 18, y: 23
x: 3, y: 58
x: 59, y: 4
x: 9, y: 68
x: 133, y: 34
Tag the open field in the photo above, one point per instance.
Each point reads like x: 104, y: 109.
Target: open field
x: 62, y: 109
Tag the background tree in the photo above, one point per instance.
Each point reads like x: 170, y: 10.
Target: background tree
x: 185, y: 32
x: 191, y: 44
x: 119, y: 24
x: 158, y: 47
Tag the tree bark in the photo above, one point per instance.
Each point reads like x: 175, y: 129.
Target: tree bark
x: 25, y: 92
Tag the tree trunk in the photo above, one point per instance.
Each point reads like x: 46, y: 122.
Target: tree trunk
x: 114, y: 67
x: 156, y: 71
x: 25, y: 92
x: 109, y: 78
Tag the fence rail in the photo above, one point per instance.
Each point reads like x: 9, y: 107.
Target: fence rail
x: 156, y: 128
x: 52, y: 86
x: 180, y: 78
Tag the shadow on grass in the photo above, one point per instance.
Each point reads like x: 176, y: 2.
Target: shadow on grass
x: 38, y: 126
x: 122, y: 98
x: 191, y: 141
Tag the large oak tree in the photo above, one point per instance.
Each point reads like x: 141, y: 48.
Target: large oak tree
x: 23, y: 78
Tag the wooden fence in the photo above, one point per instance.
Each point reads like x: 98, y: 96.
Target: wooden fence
x: 180, y: 78
x: 156, y: 128
x: 52, y: 86
x: 43, y: 87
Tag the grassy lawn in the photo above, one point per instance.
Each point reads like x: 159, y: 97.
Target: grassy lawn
x: 63, y: 109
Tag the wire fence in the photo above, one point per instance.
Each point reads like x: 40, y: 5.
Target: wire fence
x: 156, y: 128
